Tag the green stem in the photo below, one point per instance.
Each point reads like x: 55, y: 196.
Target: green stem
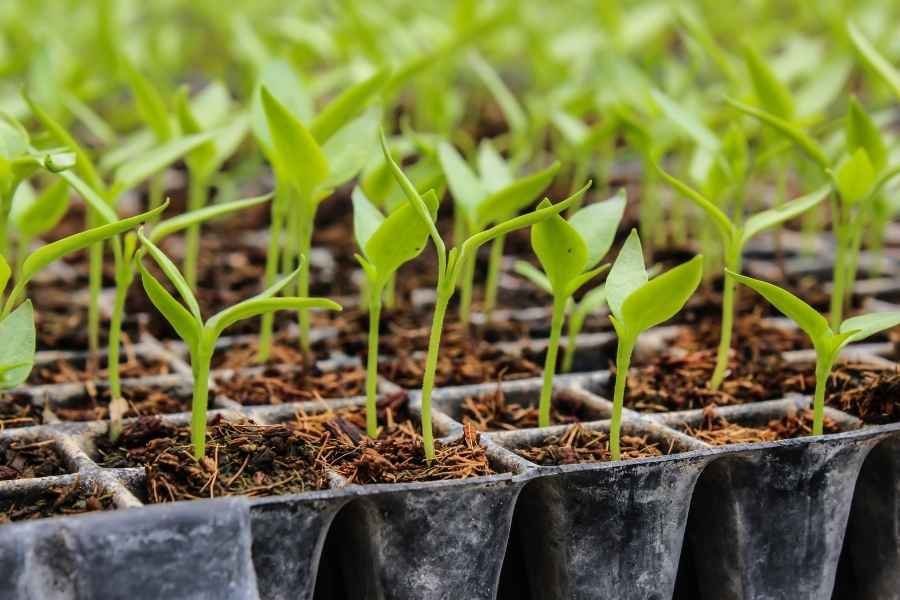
x: 838, y: 279
x: 559, y: 317
x: 115, y: 335
x: 201, y: 358
x: 157, y: 190
x: 823, y: 370
x: 465, y: 293
x: 21, y: 254
x: 95, y: 285
x: 305, y: 214
x: 197, y: 190
x: 445, y: 292
x: 5, y: 208
x: 493, y: 276
x: 372, y: 362
x: 272, y: 257
x: 390, y: 292
x: 576, y: 322
x: 623, y: 363
x: 729, y: 288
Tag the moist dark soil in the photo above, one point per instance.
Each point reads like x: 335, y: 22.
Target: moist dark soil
x: 242, y: 458
x: 16, y: 410
x: 678, y: 379
x: 278, y: 386
x: 460, y: 362
x: 873, y: 395
x: 139, y: 443
x: 580, y: 445
x: 719, y: 431
x: 93, y: 405
x: 66, y: 329
x: 25, y: 459
x: 494, y: 412
x: 65, y: 370
x: 58, y: 500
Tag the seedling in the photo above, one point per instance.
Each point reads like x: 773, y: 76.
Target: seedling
x: 201, y: 336
x: 309, y: 161
x: 826, y: 341
x: 386, y: 243
x: 450, y: 268
x: 34, y: 215
x: 124, y: 251
x: 858, y: 176
x: 483, y: 199
x: 638, y: 303
x: 734, y: 235
x: 570, y: 252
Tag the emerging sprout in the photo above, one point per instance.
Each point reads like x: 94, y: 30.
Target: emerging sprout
x: 734, y: 235
x: 826, y: 341
x: 450, y: 267
x: 485, y: 199
x: 201, y: 336
x: 386, y: 243
x: 570, y: 252
x: 638, y: 303
x: 18, y: 335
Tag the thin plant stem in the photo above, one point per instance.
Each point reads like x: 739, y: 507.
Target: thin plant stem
x: 201, y: 358
x: 5, y: 208
x: 559, y: 317
x: 576, y: 322
x: 445, y: 292
x: 95, y: 284
x: 22, y: 245
x: 840, y: 265
x: 197, y: 190
x: 272, y: 257
x: 372, y: 362
x: 465, y: 292
x: 729, y: 292
x: 115, y: 335
x: 157, y: 190
x: 493, y: 276
x: 390, y: 292
x: 823, y: 369
x: 623, y: 363
x: 304, y: 223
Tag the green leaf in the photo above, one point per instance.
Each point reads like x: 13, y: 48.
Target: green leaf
x: 770, y: 92
x: 53, y: 251
x: 719, y: 218
x: 40, y: 214
x: 255, y: 307
x: 628, y: 274
x: 149, y: 101
x: 573, y: 130
x: 597, y: 223
x: 560, y: 249
x: 5, y: 274
x: 200, y: 159
x: 282, y: 82
x: 299, y: 156
x: 495, y: 173
x: 178, y: 223
x: 868, y: 325
x: 505, y: 203
x: 863, y: 133
x: 18, y: 347
x: 801, y: 313
x: 855, y: 177
x: 144, y: 166
x: 93, y: 199
x: 583, y: 278
x: 534, y: 275
x: 779, y: 214
x: 173, y: 275
x: 399, y: 239
x: 366, y: 218
x: 346, y: 106
x: 186, y: 325
x: 874, y: 60
x: 350, y: 148
x: 660, y: 298
x: 808, y: 145
x: 465, y: 186
x: 13, y: 138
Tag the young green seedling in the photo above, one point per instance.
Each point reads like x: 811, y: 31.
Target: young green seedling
x: 310, y: 155
x: 638, y: 303
x: 34, y: 215
x: 124, y: 250
x: 734, y: 236
x: 201, y: 336
x: 858, y: 176
x: 127, y: 176
x: 450, y: 268
x: 386, y: 243
x: 18, y: 335
x: 483, y: 199
x: 569, y: 252
x: 826, y: 341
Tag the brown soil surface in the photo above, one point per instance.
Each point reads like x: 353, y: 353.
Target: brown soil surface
x: 718, y: 431
x: 57, y: 501
x: 25, y: 459
x: 16, y: 410
x: 873, y: 395
x: 579, y: 445
x: 278, y: 386
x: 93, y: 405
x: 494, y: 412
x: 64, y: 370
